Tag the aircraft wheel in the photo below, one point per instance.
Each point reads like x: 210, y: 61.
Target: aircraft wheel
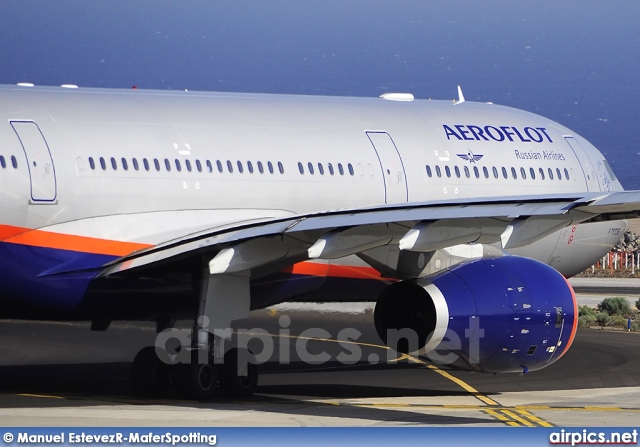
x: 198, y: 380
x: 149, y: 374
x: 238, y: 374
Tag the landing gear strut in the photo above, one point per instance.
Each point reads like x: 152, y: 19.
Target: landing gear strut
x: 209, y: 364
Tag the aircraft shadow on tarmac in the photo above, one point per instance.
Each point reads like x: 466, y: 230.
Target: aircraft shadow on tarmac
x: 112, y: 379
x: 106, y: 384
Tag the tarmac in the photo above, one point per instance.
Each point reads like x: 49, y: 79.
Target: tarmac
x: 61, y: 374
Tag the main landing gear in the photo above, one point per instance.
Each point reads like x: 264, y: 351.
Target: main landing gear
x: 236, y: 376
x: 202, y: 364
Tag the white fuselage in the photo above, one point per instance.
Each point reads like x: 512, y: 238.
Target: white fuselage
x: 108, y: 172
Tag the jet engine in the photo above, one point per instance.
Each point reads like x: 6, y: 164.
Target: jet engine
x: 508, y: 314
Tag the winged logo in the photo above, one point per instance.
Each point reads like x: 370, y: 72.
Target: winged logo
x: 470, y: 157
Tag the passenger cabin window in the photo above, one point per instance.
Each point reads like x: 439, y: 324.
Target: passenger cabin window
x: 330, y: 166
x: 523, y: 173
x: 541, y: 171
x: 532, y: 172
x: 261, y: 168
x: 92, y: 164
x: 280, y: 168
x: 270, y: 166
x: 429, y: 173
x: 566, y: 174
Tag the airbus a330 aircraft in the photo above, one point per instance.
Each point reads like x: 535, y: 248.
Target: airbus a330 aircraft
x: 161, y: 206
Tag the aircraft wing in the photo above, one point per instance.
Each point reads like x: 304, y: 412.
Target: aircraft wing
x: 419, y: 227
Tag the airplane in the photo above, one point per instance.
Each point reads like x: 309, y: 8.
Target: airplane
x: 458, y: 218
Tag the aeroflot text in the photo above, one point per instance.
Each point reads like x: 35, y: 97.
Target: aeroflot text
x: 470, y: 132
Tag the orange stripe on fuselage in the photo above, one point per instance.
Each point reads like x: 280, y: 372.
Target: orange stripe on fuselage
x: 48, y: 239
x: 8, y: 231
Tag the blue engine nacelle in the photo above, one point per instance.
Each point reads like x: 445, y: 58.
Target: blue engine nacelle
x: 508, y: 314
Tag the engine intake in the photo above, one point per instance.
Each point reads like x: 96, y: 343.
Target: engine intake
x: 508, y: 314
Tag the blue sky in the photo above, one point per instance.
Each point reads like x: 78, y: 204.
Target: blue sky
x: 576, y: 62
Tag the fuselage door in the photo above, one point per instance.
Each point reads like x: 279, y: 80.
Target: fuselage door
x: 590, y: 176
x: 41, y: 169
x: 395, y: 180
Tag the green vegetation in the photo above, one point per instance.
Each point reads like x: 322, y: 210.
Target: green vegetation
x: 611, y: 312
x: 603, y: 318
x: 585, y: 311
x: 586, y: 316
x: 638, y: 304
x: 586, y: 320
x: 615, y: 306
x: 618, y: 321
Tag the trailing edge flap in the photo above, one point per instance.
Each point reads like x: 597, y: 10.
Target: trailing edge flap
x: 309, y: 228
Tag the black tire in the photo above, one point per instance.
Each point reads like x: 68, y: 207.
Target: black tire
x: 197, y: 380
x: 238, y: 374
x: 149, y: 374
